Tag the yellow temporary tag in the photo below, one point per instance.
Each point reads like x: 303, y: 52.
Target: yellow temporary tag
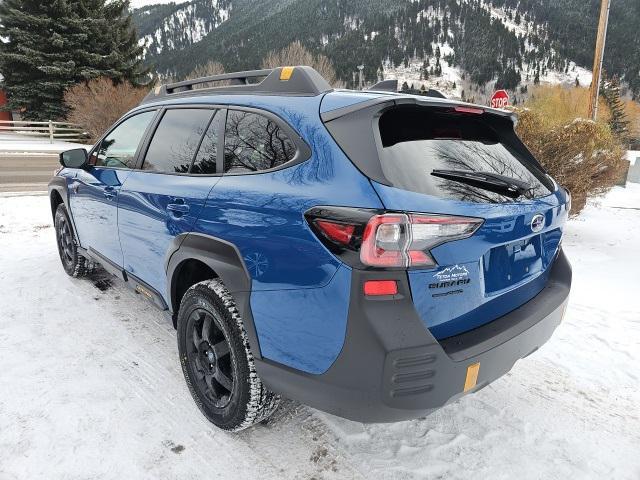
x: 472, y: 376
x: 286, y: 73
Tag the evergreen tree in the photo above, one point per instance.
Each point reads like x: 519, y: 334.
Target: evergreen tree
x: 405, y: 86
x: 50, y: 46
x: 618, y: 122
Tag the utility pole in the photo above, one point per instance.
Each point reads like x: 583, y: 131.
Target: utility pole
x: 360, y: 78
x: 597, y: 60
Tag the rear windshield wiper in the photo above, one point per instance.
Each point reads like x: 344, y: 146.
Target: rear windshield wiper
x: 493, y: 182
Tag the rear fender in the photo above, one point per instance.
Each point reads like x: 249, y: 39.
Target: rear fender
x: 226, y: 261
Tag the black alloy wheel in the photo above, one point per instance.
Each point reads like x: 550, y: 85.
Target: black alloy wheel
x: 217, y: 361
x: 210, y: 358
x: 65, y: 241
x: 72, y: 261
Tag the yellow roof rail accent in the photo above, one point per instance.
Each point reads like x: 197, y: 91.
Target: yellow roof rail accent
x: 286, y: 73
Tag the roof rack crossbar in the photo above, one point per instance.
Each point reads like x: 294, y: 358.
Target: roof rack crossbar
x: 301, y: 81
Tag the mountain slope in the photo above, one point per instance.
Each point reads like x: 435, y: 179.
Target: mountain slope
x: 172, y: 27
x: 503, y: 41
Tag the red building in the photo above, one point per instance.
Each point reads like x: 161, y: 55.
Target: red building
x: 3, y: 101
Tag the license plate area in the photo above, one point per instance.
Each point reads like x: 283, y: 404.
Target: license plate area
x: 508, y: 265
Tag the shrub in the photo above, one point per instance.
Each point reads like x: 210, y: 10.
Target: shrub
x: 560, y: 105
x: 207, y: 70
x: 582, y: 155
x: 97, y: 104
x: 296, y: 54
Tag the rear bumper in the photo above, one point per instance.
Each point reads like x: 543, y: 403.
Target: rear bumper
x: 391, y: 368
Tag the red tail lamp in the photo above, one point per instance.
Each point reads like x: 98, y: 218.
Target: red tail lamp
x: 376, y: 288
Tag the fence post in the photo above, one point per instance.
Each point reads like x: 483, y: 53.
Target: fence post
x: 50, y: 131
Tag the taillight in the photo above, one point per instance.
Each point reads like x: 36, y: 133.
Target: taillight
x: 370, y: 238
x: 338, y: 232
x: 401, y: 240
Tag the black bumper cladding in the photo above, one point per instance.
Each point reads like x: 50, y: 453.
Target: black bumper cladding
x: 391, y: 368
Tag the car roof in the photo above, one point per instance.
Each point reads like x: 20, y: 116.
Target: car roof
x: 298, y: 81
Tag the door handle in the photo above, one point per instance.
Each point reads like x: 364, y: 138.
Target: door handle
x: 178, y: 208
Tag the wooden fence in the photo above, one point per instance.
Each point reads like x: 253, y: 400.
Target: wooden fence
x: 68, y: 132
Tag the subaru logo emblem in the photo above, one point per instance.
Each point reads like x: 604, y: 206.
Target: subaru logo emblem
x: 537, y: 223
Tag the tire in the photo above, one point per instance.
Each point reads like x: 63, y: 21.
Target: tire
x: 73, y: 263
x: 216, y: 360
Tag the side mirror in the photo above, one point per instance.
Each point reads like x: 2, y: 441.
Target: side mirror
x: 76, y: 158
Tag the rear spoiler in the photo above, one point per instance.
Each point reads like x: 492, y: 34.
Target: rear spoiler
x: 412, y: 100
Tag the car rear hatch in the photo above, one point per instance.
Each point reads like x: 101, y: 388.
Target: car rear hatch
x: 441, y: 158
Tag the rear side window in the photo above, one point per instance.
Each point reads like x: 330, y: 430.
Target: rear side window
x: 415, y: 141
x: 254, y: 142
x: 118, y: 148
x: 205, y: 161
x: 176, y: 140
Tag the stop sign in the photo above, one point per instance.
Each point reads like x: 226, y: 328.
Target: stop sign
x: 500, y: 99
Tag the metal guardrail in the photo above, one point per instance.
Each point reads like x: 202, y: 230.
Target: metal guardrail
x: 68, y: 132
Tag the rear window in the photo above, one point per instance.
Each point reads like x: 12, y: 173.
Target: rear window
x: 415, y: 141
x: 253, y: 142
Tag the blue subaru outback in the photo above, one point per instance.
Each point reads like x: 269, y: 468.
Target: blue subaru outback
x: 372, y: 254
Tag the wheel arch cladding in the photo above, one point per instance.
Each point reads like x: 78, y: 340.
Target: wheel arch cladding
x: 223, y: 261
x: 58, y: 191
x: 55, y: 199
x: 186, y: 274
x: 59, y: 195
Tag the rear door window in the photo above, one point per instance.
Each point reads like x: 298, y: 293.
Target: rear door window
x: 254, y: 142
x: 176, y: 140
x: 415, y: 141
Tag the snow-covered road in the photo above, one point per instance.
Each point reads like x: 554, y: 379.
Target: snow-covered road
x: 90, y: 385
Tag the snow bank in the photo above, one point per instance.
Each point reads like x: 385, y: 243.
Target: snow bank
x: 91, y: 386
x: 632, y: 156
x: 18, y: 144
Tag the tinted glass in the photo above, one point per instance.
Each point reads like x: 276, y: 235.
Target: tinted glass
x: 205, y: 162
x: 176, y: 140
x: 416, y: 141
x: 118, y: 149
x: 253, y: 142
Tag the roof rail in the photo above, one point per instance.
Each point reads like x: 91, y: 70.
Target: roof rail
x: 294, y: 81
x: 385, y: 86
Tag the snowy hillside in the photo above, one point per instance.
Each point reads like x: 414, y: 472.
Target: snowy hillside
x: 484, y: 44
x: 182, y: 25
x: 453, y: 81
